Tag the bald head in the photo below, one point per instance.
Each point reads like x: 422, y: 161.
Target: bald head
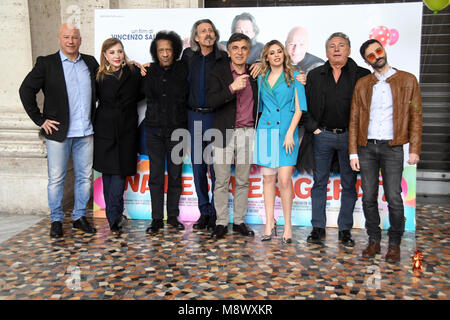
x: 66, y: 27
x: 297, y: 44
x: 69, y: 40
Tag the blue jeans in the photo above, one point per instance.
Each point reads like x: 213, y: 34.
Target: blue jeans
x: 372, y: 159
x: 82, y: 149
x: 325, y: 144
x: 198, y: 123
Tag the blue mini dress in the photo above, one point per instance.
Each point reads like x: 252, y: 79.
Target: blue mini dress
x: 277, y: 105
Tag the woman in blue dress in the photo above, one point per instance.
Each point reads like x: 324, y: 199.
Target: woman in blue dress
x: 281, y: 101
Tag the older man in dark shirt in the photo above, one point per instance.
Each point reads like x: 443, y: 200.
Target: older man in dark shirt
x: 329, y: 90
x: 166, y: 89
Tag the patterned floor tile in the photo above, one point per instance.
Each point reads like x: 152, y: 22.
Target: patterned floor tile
x: 189, y: 265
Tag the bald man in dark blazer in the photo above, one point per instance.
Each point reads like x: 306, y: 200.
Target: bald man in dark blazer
x: 67, y: 80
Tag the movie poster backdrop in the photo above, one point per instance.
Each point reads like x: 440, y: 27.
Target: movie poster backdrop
x: 397, y: 26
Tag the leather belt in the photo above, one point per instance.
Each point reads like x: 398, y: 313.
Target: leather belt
x: 335, y: 130
x: 375, y: 141
x: 201, y: 110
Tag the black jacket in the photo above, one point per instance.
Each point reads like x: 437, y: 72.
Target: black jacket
x: 116, y: 122
x: 315, y: 91
x: 194, y: 60
x: 166, y: 91
x: 220, y: 98
x: 315, y: 97
x: 48, y: 75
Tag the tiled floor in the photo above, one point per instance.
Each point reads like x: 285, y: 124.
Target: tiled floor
x: 190, y: 265
x: 12, y: 224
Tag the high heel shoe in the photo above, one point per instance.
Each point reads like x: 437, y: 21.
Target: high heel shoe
x: 286, y: 241
x: 274, y: 232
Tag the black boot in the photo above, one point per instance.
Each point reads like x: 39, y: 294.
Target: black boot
x: 316, y: 236
x: 345, y: 237
x: 173, y: 222
x: 202, y: 222
x: 212, y: 222
x: 155, y: 226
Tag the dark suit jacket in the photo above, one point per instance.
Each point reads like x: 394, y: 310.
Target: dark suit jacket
x: 220, y: 98
x: 48, y: 76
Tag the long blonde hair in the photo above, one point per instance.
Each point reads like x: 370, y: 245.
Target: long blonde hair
x: 103, y: 69
x: 287, y: 66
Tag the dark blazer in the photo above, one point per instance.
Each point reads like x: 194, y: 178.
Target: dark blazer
x: 116, y: 122
x: 48, y: 76
x: 219, y: 97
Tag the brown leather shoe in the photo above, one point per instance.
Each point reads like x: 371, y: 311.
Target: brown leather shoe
x: 372, y: 249
x: 393, y: 254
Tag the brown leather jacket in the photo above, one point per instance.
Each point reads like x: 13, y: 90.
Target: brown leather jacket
x: 407, y: 111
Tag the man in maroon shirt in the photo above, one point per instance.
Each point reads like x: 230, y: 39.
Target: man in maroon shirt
x: 233, y: 93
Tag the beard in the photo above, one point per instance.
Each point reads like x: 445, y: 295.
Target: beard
x: 379, y: 63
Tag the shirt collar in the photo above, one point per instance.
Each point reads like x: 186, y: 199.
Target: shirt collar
x: 383, y: 77
x: 64, y: 57
x: 233, y: 70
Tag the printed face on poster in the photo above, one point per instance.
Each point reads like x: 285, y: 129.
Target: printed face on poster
x: 304, y: 30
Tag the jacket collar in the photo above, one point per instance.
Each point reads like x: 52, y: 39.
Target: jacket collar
x: 383, y: 77
x: 64, y: 57
x: 161, y: 69
x: 373, y: 78
x: 126, y: 73
x: 216, y: 53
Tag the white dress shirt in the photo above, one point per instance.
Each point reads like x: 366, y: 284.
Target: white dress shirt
x: 381, y: 126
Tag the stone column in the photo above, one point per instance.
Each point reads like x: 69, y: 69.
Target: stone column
x: 23, y: 165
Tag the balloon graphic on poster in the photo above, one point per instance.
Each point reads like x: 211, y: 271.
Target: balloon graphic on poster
x: 394, y: 37
x: 98, y: 193
x: 380, y: 33
x: 384, y: 35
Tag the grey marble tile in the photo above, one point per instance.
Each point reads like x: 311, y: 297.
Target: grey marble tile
x: 12, y: 224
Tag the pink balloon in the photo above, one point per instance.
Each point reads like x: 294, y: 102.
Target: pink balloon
x: 404, y: 187
x: 394, y: 37
x: 98, y: 193
x: 380, y: 33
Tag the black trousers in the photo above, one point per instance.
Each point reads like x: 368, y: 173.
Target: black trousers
x: 113, y: 189
x: 159, y: 148
x: 372, y: 159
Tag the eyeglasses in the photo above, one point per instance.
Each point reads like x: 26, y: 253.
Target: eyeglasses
x: 371, y: 57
